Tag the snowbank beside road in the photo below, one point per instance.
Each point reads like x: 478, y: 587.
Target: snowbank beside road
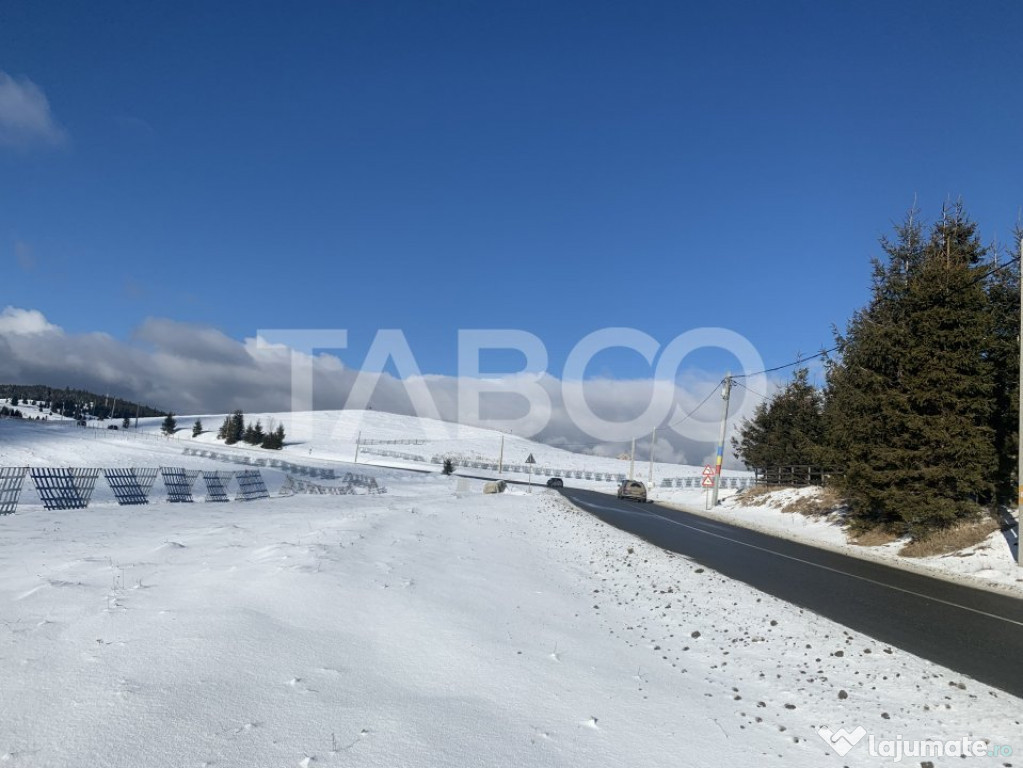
x: 990, y: 564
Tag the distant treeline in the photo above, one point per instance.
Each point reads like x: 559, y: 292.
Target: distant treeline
x: 73, y: 403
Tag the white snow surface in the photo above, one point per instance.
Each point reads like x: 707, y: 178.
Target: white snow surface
x: 430, y: 626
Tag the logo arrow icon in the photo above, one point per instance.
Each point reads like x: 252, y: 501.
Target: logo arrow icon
x: 841, y: 741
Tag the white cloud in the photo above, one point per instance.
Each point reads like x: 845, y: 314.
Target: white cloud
x: 24, y: 322
x: 25, y: 117
x: 196, y: 370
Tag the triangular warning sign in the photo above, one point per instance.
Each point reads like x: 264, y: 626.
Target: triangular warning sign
x: 531, y: 460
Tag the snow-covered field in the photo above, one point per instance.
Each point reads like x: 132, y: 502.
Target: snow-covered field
x: 431, y: 626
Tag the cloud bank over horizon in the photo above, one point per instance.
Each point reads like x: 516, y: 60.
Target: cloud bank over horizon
x: 194, y: 370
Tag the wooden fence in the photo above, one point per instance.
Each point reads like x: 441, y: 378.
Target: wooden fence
x: 796, y: 475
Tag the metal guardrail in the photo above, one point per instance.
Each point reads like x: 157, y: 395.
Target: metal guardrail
x: 395, y: 455
x: 538, y: 471
x: 696, y: 481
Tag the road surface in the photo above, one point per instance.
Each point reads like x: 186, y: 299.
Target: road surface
x: 972, y: 631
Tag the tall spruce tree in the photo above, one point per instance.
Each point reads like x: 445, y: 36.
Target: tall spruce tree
x: 236, y: 428
x: 169, y: 424
x: 909, y: 401
x: 1003, y: 355
x: 787, y: 430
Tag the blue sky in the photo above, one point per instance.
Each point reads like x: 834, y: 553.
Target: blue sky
x: 550, y: 166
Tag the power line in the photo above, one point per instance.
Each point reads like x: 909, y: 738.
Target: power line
x: 996, y: 268
x: 801, y: 360
x: 751, y: 391
x: 692, y: 412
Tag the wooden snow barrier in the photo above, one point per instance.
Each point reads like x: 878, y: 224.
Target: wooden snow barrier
x: 56, y: 488
x: 146, y: 477
x: 73, y: 487
x: 250, y: 485
x: 216, y: 485
x: 11, y: 480
x: 85, y: 479
x: 126, y: 486
x: 178, y: 485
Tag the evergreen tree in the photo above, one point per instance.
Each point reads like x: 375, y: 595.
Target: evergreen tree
x: 236, y: 428
x: 197, y: 428
x: 126, y: 422
x: 786, y: 430
x: 274, y: 440
x: 169, y: 424
x: 1003, y: 355
x: 908, y: 403
x: 449, y: 467
x: 225, y: 428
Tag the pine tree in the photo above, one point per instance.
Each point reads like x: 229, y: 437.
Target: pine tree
x: 786, y: 430
x: 225, y: 428
x: 449, y: 467
x: 169, y: 424
x: 1003, y: 355
x: 236, y: 428
x: 197, y: 428
x: 908, y: 403
x: 274, y: 440
x: 125, y: 422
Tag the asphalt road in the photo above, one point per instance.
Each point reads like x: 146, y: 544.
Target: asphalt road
x: 972, y: 631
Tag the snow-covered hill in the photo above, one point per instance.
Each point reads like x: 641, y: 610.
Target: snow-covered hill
x: 324, y: 438
x: 431, y: 626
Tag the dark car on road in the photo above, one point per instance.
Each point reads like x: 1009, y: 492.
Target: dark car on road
x: 555, y: 482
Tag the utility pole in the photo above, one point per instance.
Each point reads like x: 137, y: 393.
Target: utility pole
x: 1019, y: 434
x: 358, y: 438
x: 632, y: 458
x: 137, y: 407
x: 726, y: 392
x: 500, y: 458
x: 653, y: 441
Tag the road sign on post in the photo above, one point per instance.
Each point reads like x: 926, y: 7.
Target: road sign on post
x: 530, y: 461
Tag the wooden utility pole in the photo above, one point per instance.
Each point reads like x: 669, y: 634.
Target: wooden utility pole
x: 726, y: 392
x: 653, y: 442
